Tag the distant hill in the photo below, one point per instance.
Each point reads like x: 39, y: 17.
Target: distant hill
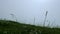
x: 13, y: 27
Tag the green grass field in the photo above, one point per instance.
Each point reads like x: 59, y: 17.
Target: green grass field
x: 13, y: 27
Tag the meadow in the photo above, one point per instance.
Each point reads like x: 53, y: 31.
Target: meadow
x: 13, y: 27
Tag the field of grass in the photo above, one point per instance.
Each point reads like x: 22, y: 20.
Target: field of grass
x: 13, y: 27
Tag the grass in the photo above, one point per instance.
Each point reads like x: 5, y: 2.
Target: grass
x: 13, y: 27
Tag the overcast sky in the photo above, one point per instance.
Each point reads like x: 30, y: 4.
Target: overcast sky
x: 26, y: 10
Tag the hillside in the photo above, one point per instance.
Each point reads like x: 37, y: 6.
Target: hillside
x: 12, y: 27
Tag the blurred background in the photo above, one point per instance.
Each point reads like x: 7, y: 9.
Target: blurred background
x: 31, y: 11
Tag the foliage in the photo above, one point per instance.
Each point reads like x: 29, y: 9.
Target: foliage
x: 12, y: 27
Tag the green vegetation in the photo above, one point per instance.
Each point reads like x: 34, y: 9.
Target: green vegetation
x: 12, y: 27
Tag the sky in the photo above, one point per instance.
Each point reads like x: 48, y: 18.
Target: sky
x: 25, y: 11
